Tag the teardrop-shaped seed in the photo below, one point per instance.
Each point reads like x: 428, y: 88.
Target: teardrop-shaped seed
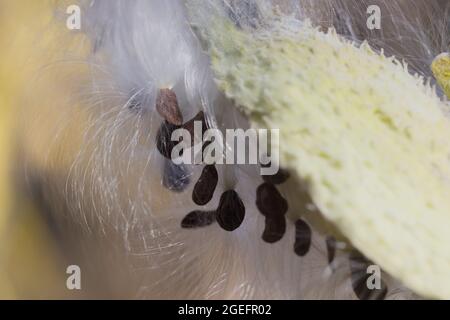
x: 164, y: 142
x: 176, y: 177
x: 205, y: 186
x: 331, y: 248
x: 270, y: 202
x: 231, y: 211
x: 360, y: 276
x: 198, y: 219
x: 275, y: 229
x: 278, y: 178
x: 303, y: 235
x: 167, y: 106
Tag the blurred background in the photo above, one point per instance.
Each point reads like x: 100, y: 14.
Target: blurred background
x: 30, y: 266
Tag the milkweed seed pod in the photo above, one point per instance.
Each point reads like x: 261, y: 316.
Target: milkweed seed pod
x: 363, y: 146
x: 375, y: 162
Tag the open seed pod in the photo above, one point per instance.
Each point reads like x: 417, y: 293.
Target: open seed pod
x: 363, y: 148
x: 375, y: 157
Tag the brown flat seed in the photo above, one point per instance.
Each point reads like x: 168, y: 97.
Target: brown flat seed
x: 198, y: 219
x: 359, y: 277
x: 231, y: 211
x: 303, y: 235
x: 331, y: 248
x: 164, y: 141
x: 274, y: 230
x: 205, y: 186
x: 270, y: 202
x: 167, y: 107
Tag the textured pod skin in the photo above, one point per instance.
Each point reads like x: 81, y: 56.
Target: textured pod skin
x: 368, y: 138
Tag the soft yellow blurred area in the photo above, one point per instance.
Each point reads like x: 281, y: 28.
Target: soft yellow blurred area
x: 30, y: 267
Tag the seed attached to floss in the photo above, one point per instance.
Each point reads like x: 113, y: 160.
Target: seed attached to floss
x: 198, y: 219
x: 164, y: 141
x: 175, y: 177
x: 303, y: 235
x: 167, y: 107
x: 205, y: 186
x: 359, y: 277
x: 275, y: 229
x: 270, y: 202
x: 231, y: 211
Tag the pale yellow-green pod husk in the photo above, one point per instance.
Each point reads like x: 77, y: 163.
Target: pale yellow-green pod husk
x: 370, y: 140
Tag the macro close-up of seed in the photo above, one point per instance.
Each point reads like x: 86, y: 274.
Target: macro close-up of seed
x: 167, y: 107
x: 205, y: 186
x: 231, y: 211
x: 198, y: 219
x: 213, y: 150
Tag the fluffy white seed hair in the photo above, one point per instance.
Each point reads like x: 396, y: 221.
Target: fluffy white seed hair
x: 109, y: 193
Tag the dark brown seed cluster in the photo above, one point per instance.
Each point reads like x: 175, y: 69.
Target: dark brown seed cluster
x: 274, y: 207
x: 205, y: 186
x: 167, y: 106
x: 359, y: 277
x: 303, y: 235
x: 230, y: 214
x: 175, y: 177
x: 231, y: 211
